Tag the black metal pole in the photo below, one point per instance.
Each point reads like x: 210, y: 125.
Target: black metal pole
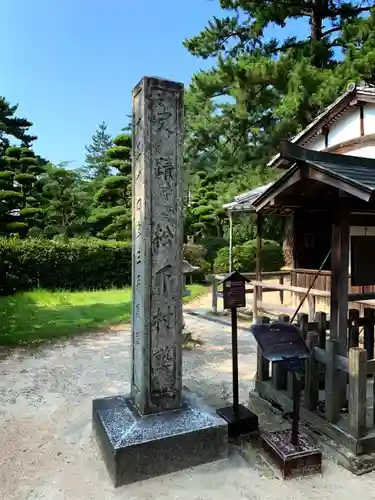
x: 235, y: 360
x: 296, y: 408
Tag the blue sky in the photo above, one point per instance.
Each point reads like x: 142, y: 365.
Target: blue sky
x: 72, y: 63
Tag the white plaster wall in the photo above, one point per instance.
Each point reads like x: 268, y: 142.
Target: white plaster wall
x: 365, y: 152
x: 369, y: 118
x: 317, y: 144
x: 347, y: 127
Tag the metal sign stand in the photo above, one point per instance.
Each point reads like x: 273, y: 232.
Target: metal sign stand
x: 290, y: 449
x: 241, y: 420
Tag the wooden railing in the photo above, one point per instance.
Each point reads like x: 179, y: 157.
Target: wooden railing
x: 323, y: 369
x: 317, y: 297
x: 214, y: 279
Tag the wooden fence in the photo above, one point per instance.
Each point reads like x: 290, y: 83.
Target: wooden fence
x: 331, y: 381
x: 296, y: 282
x: 323, y: 370
x: 280, y: 275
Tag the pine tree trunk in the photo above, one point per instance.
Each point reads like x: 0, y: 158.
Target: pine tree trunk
x: 318, y: 13
x: 288, y: 243
x: 316, y: 20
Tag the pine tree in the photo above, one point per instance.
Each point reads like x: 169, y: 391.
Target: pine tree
x: 20, y: 209
x: 66, y: 202
x: 111, y: 217
x: 261, y: 90
x: 271, y: 88
x: 12, y: 126
x: 96, y: 165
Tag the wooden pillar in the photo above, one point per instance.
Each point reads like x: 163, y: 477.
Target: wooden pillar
x: 339, y: 302
x: 357, y: 391
x: 230, y: 241
x: 312, y: 373
x: 262, y: 367
x: 257, y: 295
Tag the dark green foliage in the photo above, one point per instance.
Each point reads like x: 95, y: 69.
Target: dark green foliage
x: 244, y: 257
x: 204, y: 218
x: 269, y: 89
x: 74, y: 265
x: 196, y: 256
x: 12, y: 126
x: 66, y: 202
x: 96, y: 165
x: 20, y: 196
x: 111, y: 215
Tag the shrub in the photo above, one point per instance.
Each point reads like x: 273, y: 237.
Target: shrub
x: 196, y: 256
x: 74, y: 265
x: 221, y: 263
x: 212, y: 245
x: 244, y: 257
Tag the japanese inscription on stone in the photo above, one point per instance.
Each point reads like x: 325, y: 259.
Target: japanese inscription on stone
x: 157, y: 245
x: 138, y: 316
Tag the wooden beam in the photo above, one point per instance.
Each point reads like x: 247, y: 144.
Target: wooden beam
x: 332, y: 395
x: 323, y: 177
x: 258, y: 264
x: 262, y: 363
x: 340, y: 362
x: 311, y: 373
x: 339, y: 305
x: 290, y: 288
x: 355, y: 297
x: 357, y: 391
x: 361, y: 122
x: 352, y: 144
x: 293, y: 177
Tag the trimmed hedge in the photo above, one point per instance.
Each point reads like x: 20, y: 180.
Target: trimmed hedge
x: 243, y: 257
x: 74, y: 265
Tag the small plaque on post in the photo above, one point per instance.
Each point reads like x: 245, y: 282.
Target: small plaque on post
x: 234, y: 290
x: 241, y: 420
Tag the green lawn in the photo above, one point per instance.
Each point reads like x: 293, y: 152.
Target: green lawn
x: 32, y: 317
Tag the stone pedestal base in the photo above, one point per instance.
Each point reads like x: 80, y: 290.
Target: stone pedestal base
x: 138, y: 447
x: 292, y: 460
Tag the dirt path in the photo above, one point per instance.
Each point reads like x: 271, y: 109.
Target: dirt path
x: 47, y: 451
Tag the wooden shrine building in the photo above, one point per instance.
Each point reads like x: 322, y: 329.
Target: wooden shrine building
x: 346, y: 127
x: 339, y: 190
x: 327, y: 193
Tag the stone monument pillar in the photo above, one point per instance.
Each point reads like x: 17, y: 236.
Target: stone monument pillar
x: 159, y: 428
x: 157, y: 245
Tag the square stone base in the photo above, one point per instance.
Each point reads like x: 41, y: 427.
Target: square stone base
x: 298, y: 460
x: 138, y: 447
x: 240, y: 422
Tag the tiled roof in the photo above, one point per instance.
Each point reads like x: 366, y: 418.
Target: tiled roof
x: 244, y: 202
x: 361, y: 175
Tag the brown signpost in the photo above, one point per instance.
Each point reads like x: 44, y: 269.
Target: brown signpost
x: 240, y: 419
x: 234, y: 293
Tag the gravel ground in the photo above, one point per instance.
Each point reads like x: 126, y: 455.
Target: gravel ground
x: 47, y: 451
